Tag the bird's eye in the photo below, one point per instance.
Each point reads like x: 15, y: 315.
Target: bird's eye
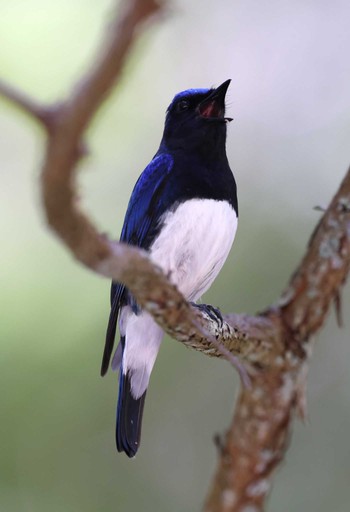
x: 183, y: 105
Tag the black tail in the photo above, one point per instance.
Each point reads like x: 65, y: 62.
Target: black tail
x: 129, y: 418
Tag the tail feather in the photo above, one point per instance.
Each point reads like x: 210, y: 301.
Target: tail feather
x: 129, y: 417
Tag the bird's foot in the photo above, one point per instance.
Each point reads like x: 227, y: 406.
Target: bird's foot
x: 211, y: 311
x: 215, y: 314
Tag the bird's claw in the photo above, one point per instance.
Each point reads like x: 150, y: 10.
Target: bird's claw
x: 211, y: 311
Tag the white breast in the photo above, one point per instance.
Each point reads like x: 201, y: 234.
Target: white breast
x: 192, y: 247
x: 194, y: 243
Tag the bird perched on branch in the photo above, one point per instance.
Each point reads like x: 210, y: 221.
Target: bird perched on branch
x: 183, y: 211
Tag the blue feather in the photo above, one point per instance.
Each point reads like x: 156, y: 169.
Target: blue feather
x: 140, y: 228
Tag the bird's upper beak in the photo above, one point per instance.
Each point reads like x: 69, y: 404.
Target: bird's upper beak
x: 213, y: 107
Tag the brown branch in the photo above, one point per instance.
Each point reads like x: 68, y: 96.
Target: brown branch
x: 258, y: 437
x: 63, y: 149
x: 30, y: 107
x: 323, y: 270
x: 274, y: 345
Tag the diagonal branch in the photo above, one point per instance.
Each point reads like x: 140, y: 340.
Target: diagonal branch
x: 29, y: 106
x: 323, y: 269
x: 66, y: 124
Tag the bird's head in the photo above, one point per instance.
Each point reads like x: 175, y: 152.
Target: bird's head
x: 196, y: 119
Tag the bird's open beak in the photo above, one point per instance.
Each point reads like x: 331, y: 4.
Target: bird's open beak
x: 213, y: 107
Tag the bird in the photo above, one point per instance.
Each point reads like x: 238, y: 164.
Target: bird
x: 183, y: 211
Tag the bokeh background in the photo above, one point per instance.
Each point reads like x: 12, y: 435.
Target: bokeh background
x: 289, y: 146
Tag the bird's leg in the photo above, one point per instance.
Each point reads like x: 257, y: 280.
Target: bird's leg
x: 215, y: 314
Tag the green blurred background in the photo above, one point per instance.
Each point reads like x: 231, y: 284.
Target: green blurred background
x: 289, y: 148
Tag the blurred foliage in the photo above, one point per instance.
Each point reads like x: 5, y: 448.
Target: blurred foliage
x: 289, y: 147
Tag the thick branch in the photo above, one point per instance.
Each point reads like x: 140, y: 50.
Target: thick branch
x: 257, y: 439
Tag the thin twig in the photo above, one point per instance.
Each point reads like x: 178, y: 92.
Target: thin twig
x: 25, y: 103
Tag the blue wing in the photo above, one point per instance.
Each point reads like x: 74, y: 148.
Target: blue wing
x: 141, y: 226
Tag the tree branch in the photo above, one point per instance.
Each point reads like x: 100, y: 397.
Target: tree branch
x: 322, y: 271
x: 30, y: 107
x: 273, y: 345
x: 258, y: 437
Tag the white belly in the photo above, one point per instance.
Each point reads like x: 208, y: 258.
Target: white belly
x: 194, y: 243
x: 192, y: 247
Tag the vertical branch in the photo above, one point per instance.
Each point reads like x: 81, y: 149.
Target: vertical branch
x: 258, y: 437
x: 254, y: 445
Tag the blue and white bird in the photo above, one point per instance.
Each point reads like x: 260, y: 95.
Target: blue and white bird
x: 183, y: 211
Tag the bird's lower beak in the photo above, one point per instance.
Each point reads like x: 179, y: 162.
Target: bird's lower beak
x: 213, y: 107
